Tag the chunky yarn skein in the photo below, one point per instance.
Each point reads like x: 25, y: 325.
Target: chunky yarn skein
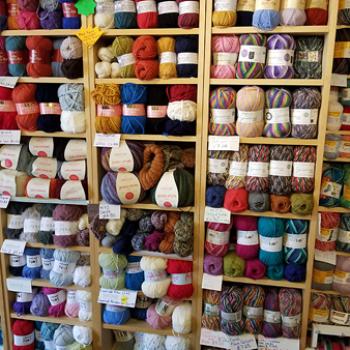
x: 238, y: 167
x: 331, y: 186
x: 188, y: 14
x: 316, y: 13
x: 295, y: 243
x: 224, y: 14
x: 211, y: 313
x: 266, y: 15
x: 147, y: 15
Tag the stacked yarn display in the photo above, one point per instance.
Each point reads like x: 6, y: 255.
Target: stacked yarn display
x: 44, y: 168
x: 255, y: 310
x: 277, y: 56
x: 140, y: 109
x: 261, y: 178
x: 38, y: 56
x: 341, y: 61
x: 267, y: 15
x: 159, y: 231
x: 146, y: 14
x: 255, y: 248
x: 133, y: 170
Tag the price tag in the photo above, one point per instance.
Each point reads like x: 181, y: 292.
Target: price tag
x: 340, y: 80
x: 8, y: 82
x: 223, y: 143
x: 4, y: 201
x: 10, y: 137
x: 212, y: 282
x: 327, y: 257
x: 125, y: 298
x: 109, y: 211
x: 107, y: 140
x: 89, y: 36
x: 19, y: 284
x: 218, y: 215
x: 13, y: 247
x: 223, y: 341
x: 277, y: 343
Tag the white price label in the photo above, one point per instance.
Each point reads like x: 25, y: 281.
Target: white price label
x: 125, y: 298
x: 13, y: 247
x: 212, y: 282
x: 223, y: 143
x: 10, y: 137
x: 218, y: 215
x: 4, y: 201
x: 19, y: 284
x: 277, y: 343
x: 107, y: 140
x: 109, y: 211
x: 8, y: 82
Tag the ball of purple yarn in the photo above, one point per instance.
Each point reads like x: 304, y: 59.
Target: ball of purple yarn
x: 295, y: 272
x: 159, y: 219
x: 213, y: 265
x: 50, y: 19
x: 214, y: 196
x: 152, y: 241
x: 40, y: 305
x: 272, y: 329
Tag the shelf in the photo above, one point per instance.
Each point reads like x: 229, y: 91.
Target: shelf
x: 47, y: 284
x: 273, y: 214
x: 151, y: 31
x: 265, y: 282
x: 48, y: 201
x: 50, y: 80
x: 328, y: 292
x: 342, y: 253
x: 52, y: 246
x: 151, y: 206
x: 163, y: 138
x: 277, y: 141
x: 314, y: 30
x: 121, y: 81
x: 60, y: 320
x: 334, y: 210
x: 52, y: 134
x: 342, y: 26
x: 269, y: 82
x: 48, y: 32
x: 340, y: 160
x: 339, y: 132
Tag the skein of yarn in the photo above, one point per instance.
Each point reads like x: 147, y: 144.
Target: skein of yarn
x: 188, y: 14
x: 292, y: 13
x: 316, y: 12
x: 266, y: 15
x: 272, y: 316
x: 224, y: 14
x: 147, y: 15
x: 211, y: 313
x: 253, y: 308
x: 247, y: 246
x: 217, y: 239
x: 168, y: 13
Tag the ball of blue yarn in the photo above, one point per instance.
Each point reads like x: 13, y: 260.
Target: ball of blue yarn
x: 3, y: 22
x: 39, y: 344
x: 108, y: 189
x: 115, y: 314
x: 214, y: 196
x: 275, y: 272
x: 16, y: 43
x: 334, y: 174
x: 46, y: 254
x: 139, y: 313
x: 123, y: 244
x: 186, y: 44
x: 31, y: 272
x: 266, y: 19
x: 56, y: 66
x: 50, y: 19
x: 125, y: 20
x: 47, y: 330
x: 178, y: 128
x: 70, y: 22
x: 295, y: 272
x: 296, y: 255
x: 134, y: 275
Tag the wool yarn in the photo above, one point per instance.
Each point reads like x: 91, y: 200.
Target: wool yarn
x: 113, y: 266
x: 27, y: 17
x: 122, y: 49
x: 23, y: 335
x: 238, y: 167
x: 39, y: 56
x: 302, y: 203
x: 84, y: 300
x: 211, y: 313
x: 224, y: 14
x: 217, y: 239
x: 16, y: 264
x: 272, y: 316
x: 104, y: 15
x: 332, y: 146
x: 183, y: 230
x: 63, y: 336
x: 233, y: 265
x: 71, y: 308
x: 292, y: 13
x: 266, y: 15
x: 320, y: 307
x: 134, y: 276
x: 341, y: 275
x: 22, y: 303
x: 182, y: 318
x: 331, y: 186
x: 341, y: 63
x: 14, y: 220
x: 343, y: 14
x: 152, y: 241
x: 245, y: 10
x: 217, y: 167
x: 342, y: 243
x: 316, y: 13
x: 344, y: 200
x: 247, y: 246
x: 213, y: 265
x: 175, y: 342
x: 17, y: 55
x: 275, y: 272
x: 56, y: 59
x: 322, y: 276
x: 335, y: 110
x: 3, y: 58
x: 12, y: 11
x: 125, y: 14
x: 327, y: 235
x: 50, y: 19
x: 142, y: 305
x: 71, y: 51
x: 280, y: 203
x: 181, y: 279
x: 295, y: 272
x: 33, y: 263
x: 168, y: 13
x: 236, y: 200
x: 82, y: 335
x: 40, y: 305
x: 295, y: 242
x: 340, y: 306
x: 156, y: 109
x: 71, y: 19
x: 186, y: 48
x: 57, y: 301
x: 147, y: 15
x: 159, y: 314
x: 8, y: 110
x: 188, y: 14
x: 47, y: 261
x: 253, y: 308
x: 167, y: 55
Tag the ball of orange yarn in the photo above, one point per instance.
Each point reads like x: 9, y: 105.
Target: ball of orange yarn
x: 145, y: 47
x: 40, y: 50
x: 12, y: 11
x: 188, y: 157
x: 55, y: 186
x: 166, y: 246
x: 280, y: 204
x: 172, y: 219
x: 146, y: 69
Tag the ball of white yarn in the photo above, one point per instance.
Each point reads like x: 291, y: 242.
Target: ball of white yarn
x: 85, y: 307
x: 73, y: 122
x: 115, y: 70
x: 184, y: 111
x: 82, y: 335
x: 182, y: 318
x: 114, y: 226
x: 103, y: 70
x: 83, y: 222
x: 72, y: 190
x: 177, y: 343
x: 105, y: 54
x: 82, y: 276
x: 104, y: 20
x: 71, y: 48
x: 153, y: 342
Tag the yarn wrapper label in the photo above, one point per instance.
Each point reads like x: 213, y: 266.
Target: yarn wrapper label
x: 121, y: 158
x: 50, y: 108
x: 271, y: 244
x: 71, y: 296
x: 218, y: 215
x: 133, y: 267
x: 10, y: 137
x: 128, y: 188
x: 22, y: 297
x: 36, y: 56
x: 181, y: 279
x: 168, y: 56
x: 277, y: 343
x: 7, y: 106
x: 339, y: 317
x: 252, y: 54
x: 164, y: 307
x: 57, y: 298
x: 75, y: 150
x: 253, y: 312
x: 212, y: 310
x: 33, y: 261
x: 188, y: 7
x: 331, y: 189
x: 17, y: 261
x: 218, y: 237
x: 258, y: 169
x: 74, y: 170
x: 108, y: 110
x: 14, y: 221
x: 321, y: 4
x: 280, y: 58
x: 319, y: 315
x: 63, y: 267
x: 231, y: 316
x: 38, y: 188
x: 107, y: 140
x: 327, y: 234
x: 277, y: 115
x: 47, y: 224
x: 212, y: 282
x: 225, y: 5
x: 115, y: 298
x: 225, y: 58
x: 291, y: 321
x: 273, y: 5
x: 24, y: 340
x: 7, y: 186
x: 304, y: 116
x: 89, y: 36
x: 69, y: 10
x: 31, y: 225
x: 167, y: 194
x: 109, y: 211
x: 155, y: 275
x: 9, y: 156
x: 246, y: 5
x: 293, y: 4
x: 247, y: 237
x: 272, y: 316
x: 280, y: 168
x: 308, y: 56
x: 344, y: 236
x: 223, y: 143
x: 41, y: 146
x: 19, y: 284
x: 303, y: 169
x: 134, y: 110
x: 339, y: 80
x: 345, y: 119
x: 341, y: 277
x: 298, y: 241
x: 47, y: 264
x: 125, y: 6
x: 167, y: 7
x: 126, y: 60
x: 17, y: 57
x: 246, y: 117
x: 105, y: 7
x: 187, y: 57
x: 217, y: 166
x: 66, y: 228
x: 157, y: 111
x: 45, y: 168
x: 223, y: 116
x: 238, y: 168
x: 146, y: 6
x: 344, y: 4
x: 13, y: 247
x: 27, y: 108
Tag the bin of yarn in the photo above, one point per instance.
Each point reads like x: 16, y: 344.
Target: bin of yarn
x: 292, y: 13
x: 341, y: 276
x: 266, y: 15
x: 272, y: 316
x: 186, y: 48
x: 247, y: 246
x: 8, y: 110
x: 22, y: 304
x: 217, y: 239
x: 188, y: 14
x: 23, y: 335
x: 181, y: 279
x: 233, y: 265
x: 182, y: 318
x: 343, y: 238
x: 316, y: 13
x: 290, y: 305
x: 113, y: 268
x: 115, y: 315
x: 159, y: 314
x: 211, y: 313
x: 331, y: 186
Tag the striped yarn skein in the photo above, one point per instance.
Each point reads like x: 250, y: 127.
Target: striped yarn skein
x: 303, y: 169
x: 217, y: 167
x: 238, y: 166
x: 295, y: 242
x: 327, y: 235
x: 253, y: 308
x: 343, y: 240
x: 272, y: 316
x: 211, y: 314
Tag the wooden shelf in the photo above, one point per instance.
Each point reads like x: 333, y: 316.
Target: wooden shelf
x: 160, y: 138
x: 342, y: 253
x: 63, y: 320
x: 173, y: 81
x: 337, y: 160
x: 277, y: 141
x: 151, y: 206
x: 265, y: 282
x: 269, y: 82
x: 328, y: 292
x: 36, y: 32
x: 47, y: 284
x: 52, y: 246
x: 52, y: 134
x: 272, y: 214
x: 334, y: 210
x: 151, y: 31
x: 339, y: 132
x: 48, y: 201
x: 50, y: 80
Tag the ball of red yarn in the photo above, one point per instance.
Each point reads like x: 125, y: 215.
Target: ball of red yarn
x: 23, y: 333
x: 254, y: 269
x: 326, y: 238
x: 7, y: 110
x: 147, y: 14
x: 28, y: 20
x: 182, y: 92
x: 188, y: 14
x: 317, y: 16
x: 236, y: 200
x: 3, y: 58
x: 40, y: 50
x: 145, y: 47
x: 217, y: 239
x: 23, y: 95
x: 54, y: 187
x: 181, y: 279
x: 146, y: 69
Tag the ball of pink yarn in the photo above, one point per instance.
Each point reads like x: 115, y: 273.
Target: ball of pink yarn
x: 28, y: 20
x: 72, y: 306
x: 159, y: 314
x: 29, y: 5
x: 247, y: 237
x: 218, y: 238
x: 54, y: 294
x: 152, y: 241
x: 341, y: 277
x: 225, y: 49
x: 254, y: 269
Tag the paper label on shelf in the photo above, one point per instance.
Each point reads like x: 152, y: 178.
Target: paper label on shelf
x: 298, y: 241
x: 187, y: 57
x: 57, y: 298
x: 246, y: 5
x: 277, y: 343
x: 24, y: 340
x: 31, y: 225
x: 188, y: 7
x: 293, y: 4
x: 331, y: 189
x: 222, y: 116
x: 9, y: 82
x: 38, y: 188
x: 19, y: 284
x: 167, y: 194
x: 322, y: 4
x: 250, y: 117
x: 253, y: 312
x: 327, y: 234
x: 63, y: 267
x: 9, y: 156
x: 13, y: 247
x: 267, y: 5
x: 258, y: 169
x: 146, y: 6
x: 75, y: 150
x: 22, y: 297
x: 14, y: 221
x: 125, y: 298
x: 277, y: 115
x: 108, y: 110
x: 271, y: 244
x: 167, y: 7
x: 168, y: 56
x: 280, y: 168
x: 344, y: 4
x: 272, y: 316
x: 304, y: 116
x: 252, y: 54
x: 125, y: 6
x: 280, y: 58
x: 33, y: 261
x: 238, y: 168
x: 223, y: 143
x: 247, y: 237
x: 218, y: 215
x: 291, y: 321
x: 121, y: 158
x: 339, y: 80
x: 71, y: 296
x: 45, y: 168
x: 7, y: 106
x: 181, y: 279
x: 109, y: 211
x: 303, y: 169
x: 107, y: 140
x: 225, y: 5
x: 47, y: 264
x: 344, y: 236
x: 134, y: 110
x: 217, y: 166
x: 74, y: 170
x: 225, y: 58
x: 128, y: 188
x: 212, y: 282
x: 10, y: 137
x: 66, y: 228
x: 339, y: 317
x: 41, y: 146
x: 341, y: 277
x: 218, y: 237
x: 126, y: 60
x: 17, y: 261
x: 212, y: 310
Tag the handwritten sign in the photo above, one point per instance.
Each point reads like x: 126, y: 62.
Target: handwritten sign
x: 19, y: 284
x: 125, y: 298
x: 8, y: 82
x: 223, y: 143
x: 212, y: 282
x: 90, y: 35
x: 13, y: 247
x: 109, y: 211
x: 277, y: 343
x: 218, y: 215
x: 10, y: 137
x: 107, y: 140
x: 4, y: 201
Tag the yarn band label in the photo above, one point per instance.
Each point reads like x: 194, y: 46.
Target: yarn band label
x: 181, y: 279
x: 27, y: 108
x: 16, y: 57
x: 128, y: 188
x: 75, y: 170
x: 125, y: 6
x: 47, y: 264
x: 280, y: 168
x: 258, y: 169
x: 308, y: 56
x: 12, y: 9
x: 66, y: 228
x: 121, y: 158
x: 73, y: 190
x: 24, y: 297
x: 238, y: 168
x: 303, y: 169
x: 105, y: 7
x: 47, y: 224
x: 135, y: 110
x: 50, y: 108
x: 250, y: 117
x: 304, y: 116
x: 339, y: 317
x: 63, y: 267
x: 295, y: 241
x: 167, y: 194
x: 133, y: 267
x: 7, y: 106
x: 271, y: 244
x: 328, y: 234
x: 7, y: 183
x: 246, y: 5
x: 231, y: 316
x: 167, y: 7
x: 157, y: 111
x: 331, y: 189
x: 322, y: 4
x: 14, y: 222
x: 23, y: 340
x: 187, y: 57
x: 344, y: 236
x: 41, y: 146
x: 291, y: 321
x: 31, y: 225
x: 75, y: 150
x: 218, y: 237
x: 17, y: 261
x: 272, y: 316
x: 9, y: 156
x: 108, y: 110
x: 45, y: 168
x: 247, y: 237
x: 38, y: 188
x: 319, y: 315
x: 126, y: 60
x: 267, y: 5
x: 146, y: 6
x: 33, y: 261
x: 277, y: 115
x: 252, y: 53
x: 225, y: 5
x: 36, y: 56
x: 293, y: 4
x: 168, y: 56
x: 211, y: 309
x: 57, y: 298
x: 217, y: 166
x: 71, y: 296
x: 225, y: 58
x: 164, y: 308
x: 188, y: 7
x: 280, y: 58
x: 253, y: 312
x: 341, y: 277
x: 344, y: 4
x: 223, y: 116
x: 155, y: 275
x: 69, y: 10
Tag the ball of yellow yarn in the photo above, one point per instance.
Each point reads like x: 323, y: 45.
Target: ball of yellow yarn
x: 122, y: 49
x: 167, y: 57
x: 224, y: 15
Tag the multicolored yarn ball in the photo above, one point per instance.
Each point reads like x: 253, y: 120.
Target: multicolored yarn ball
x: 272, y: 316
x: 341, y: 275
x: 253, y: 308
x: 238, y: 168
x: 295, y: 243
x: 331, y: 186
x: 217, y: 238
x: 320, y: 307
x: 211, y: 313
x: 322, y: 275
x: 217, y: 167
x: 343, y: 242
x: 327, y: 235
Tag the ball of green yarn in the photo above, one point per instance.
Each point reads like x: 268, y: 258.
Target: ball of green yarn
x: 233, y: 265
x: 122, y: 49
x: 113, y: 266
x: 302, y: 203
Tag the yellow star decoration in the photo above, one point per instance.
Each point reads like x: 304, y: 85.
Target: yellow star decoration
x: 89, y: 35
